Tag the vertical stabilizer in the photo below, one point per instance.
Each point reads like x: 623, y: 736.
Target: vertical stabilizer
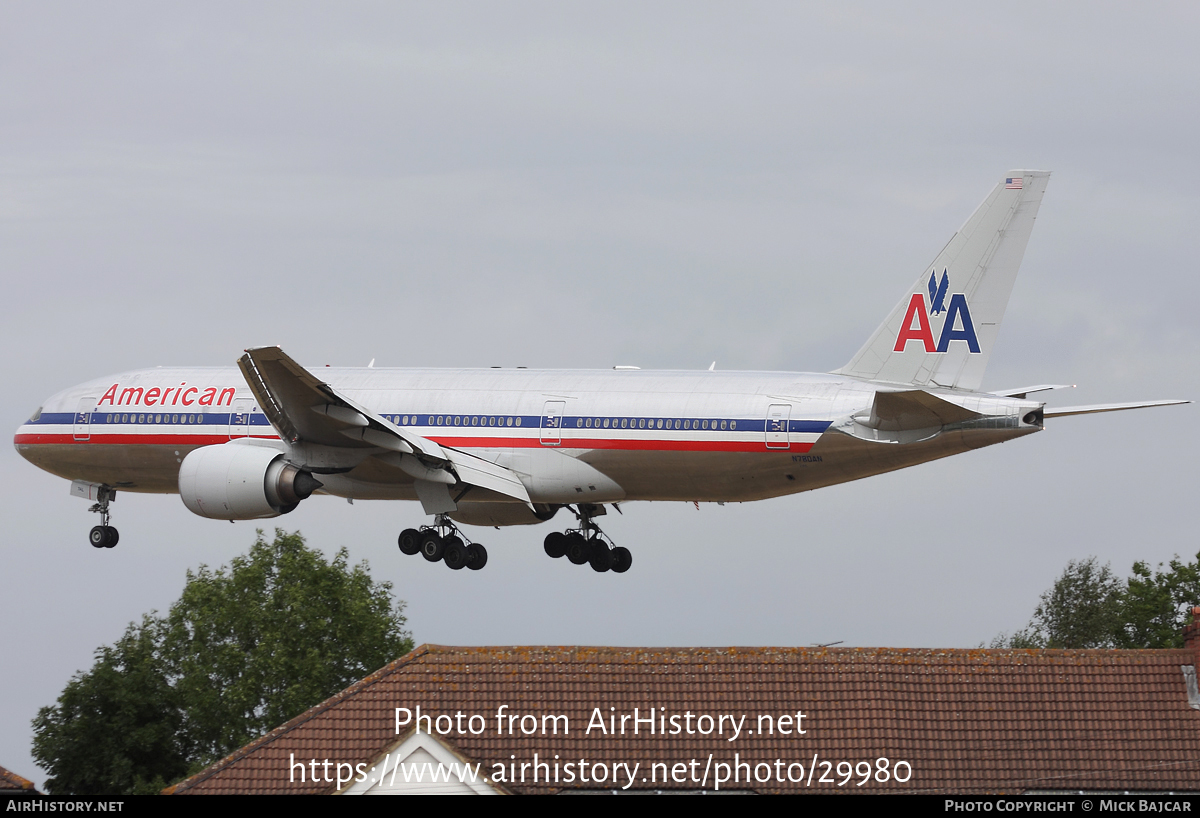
x: 942, y: 331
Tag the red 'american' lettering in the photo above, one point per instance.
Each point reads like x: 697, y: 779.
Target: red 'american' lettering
x: 182, y: 395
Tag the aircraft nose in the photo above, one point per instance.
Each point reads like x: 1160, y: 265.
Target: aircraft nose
x: 25, y: 434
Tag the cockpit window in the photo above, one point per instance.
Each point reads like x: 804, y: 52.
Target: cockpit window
x: 36, y: 415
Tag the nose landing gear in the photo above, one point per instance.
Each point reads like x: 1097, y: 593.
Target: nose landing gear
x: 443, y: 542
x: 103, y: 535
x: 588, y: 544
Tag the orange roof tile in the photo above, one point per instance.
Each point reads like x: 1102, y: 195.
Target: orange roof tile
x: 965, y: 720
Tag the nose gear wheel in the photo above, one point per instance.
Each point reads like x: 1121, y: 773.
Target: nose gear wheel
x: 103, y: 535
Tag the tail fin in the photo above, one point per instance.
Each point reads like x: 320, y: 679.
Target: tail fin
x: 942, y: 331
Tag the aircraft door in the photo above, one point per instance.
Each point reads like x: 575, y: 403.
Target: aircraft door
x: 552, y: 415
x: 778, y: 419
x: 239, y: 418
x: 83, y: 418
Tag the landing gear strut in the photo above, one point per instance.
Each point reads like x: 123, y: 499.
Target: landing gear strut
x: 103, y: 535
x: 443, y: 542
x: 588, y: 543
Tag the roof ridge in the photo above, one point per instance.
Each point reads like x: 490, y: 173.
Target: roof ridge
x: 20, y: 781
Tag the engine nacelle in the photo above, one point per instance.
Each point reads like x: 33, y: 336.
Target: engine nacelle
x: 502, y: 513
x: 236, y: 481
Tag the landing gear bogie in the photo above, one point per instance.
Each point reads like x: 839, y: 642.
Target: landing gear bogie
x: 442, y: 542
x: 588, y: 544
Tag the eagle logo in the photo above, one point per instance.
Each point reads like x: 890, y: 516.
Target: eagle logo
x: 937, y: 292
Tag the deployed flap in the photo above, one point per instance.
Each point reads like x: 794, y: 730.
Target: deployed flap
x: 942, y: 331
x: 301, y: 407
x: 901, y: 411
x: 1063, y: 411
x: 487, y: 475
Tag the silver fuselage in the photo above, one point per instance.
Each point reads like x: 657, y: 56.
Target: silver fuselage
x: 652, y: 435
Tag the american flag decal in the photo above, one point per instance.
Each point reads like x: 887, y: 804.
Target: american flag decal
x: 1013, y: 184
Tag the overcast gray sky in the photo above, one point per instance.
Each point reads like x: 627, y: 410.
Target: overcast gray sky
x: 582, y: 185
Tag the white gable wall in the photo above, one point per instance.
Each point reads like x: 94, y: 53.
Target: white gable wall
x: 420, y: 764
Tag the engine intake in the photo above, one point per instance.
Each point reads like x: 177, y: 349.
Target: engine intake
x: 238, y: 481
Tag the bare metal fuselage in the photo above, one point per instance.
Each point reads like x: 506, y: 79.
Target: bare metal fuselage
x: 572, y: 436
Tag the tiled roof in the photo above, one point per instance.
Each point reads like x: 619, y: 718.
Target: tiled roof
x: 965, y: 720
x: 10, y: 781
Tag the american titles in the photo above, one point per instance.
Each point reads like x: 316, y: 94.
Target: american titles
x: 182, y: 395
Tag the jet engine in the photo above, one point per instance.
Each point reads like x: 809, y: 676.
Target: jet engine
x: 237, y: 481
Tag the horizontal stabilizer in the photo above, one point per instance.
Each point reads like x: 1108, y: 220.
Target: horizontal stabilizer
x: 1021, y: 392
x: 915, y: 409
x: 1063, y: 411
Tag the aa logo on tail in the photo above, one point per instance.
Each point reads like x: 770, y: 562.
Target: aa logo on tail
x: 956, y: 326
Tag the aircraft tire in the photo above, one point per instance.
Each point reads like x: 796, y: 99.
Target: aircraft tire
x: 432, y: 546
x: 113, y: 537
x: 555, y: 544
x: 454, y: 554
x: 476, y: 556
x: 622, y: 559
x: 98, y: 536
x: 578, y: 549
x: 601, y: 558
x: 409, y: 541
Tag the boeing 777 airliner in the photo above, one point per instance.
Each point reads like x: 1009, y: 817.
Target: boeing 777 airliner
x: 515, y: 446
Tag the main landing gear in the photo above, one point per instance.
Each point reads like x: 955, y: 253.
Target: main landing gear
x: 588, y: 544
x: 443, y: 541
x: 103, y: 535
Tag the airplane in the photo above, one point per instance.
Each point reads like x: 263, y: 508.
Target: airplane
x: 500, y: 447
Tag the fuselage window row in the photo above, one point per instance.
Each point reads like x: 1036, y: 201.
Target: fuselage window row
x: 157, y: 419
x: 685, y: 424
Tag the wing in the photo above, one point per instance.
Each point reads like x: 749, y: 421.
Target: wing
x: 302, y: 408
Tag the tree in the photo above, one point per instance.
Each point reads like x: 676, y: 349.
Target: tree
x: 1089, y: 607
x: 116, y: 728
x: 1082, y: 608
x: 245, y: 648
x: 1157, y: 605
x: 276, y: 633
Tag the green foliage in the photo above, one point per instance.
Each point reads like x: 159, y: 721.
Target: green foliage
x: 276, y: 633
x: 116, y: 728
x: 246, y: 648
x: 1158, y: 604
x: 1089, y: 607
x: 1082, y: 609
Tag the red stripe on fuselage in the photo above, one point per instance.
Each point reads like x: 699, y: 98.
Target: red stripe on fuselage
x: 623, y: 444
x: 456, y: 442
x: 132, y: 440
